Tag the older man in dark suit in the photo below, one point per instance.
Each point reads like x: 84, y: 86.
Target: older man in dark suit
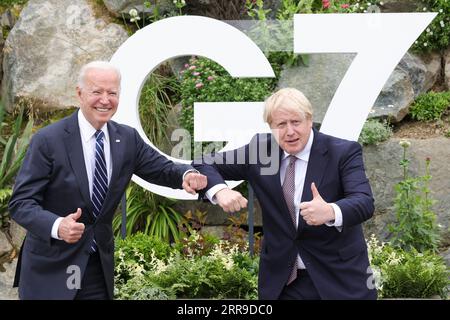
x: 314, y: 195
x: 71, y: 181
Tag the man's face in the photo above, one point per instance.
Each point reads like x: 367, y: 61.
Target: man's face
x: 99, y: 96
x: 291, y: 130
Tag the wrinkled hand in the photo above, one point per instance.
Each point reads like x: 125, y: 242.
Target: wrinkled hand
x: 69, y: 229
x: 194, y: 181
x: 230, y: 200
x: 317, y: 211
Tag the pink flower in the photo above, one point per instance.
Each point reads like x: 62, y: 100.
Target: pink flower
x: 195, y: 73
x: 199, y: 85
x: 192, y: 67
x: 345, y: 6
x: 325, y: 4
x: 186, y: 65
x: 210, y: 78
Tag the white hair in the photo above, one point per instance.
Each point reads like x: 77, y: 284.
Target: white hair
x: 98, y: 64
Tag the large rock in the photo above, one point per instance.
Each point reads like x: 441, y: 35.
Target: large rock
x: 384, y: 171
x: 433, y: 64
x: 413, y: 76
x: 395, y: 98
x: 46, y: 48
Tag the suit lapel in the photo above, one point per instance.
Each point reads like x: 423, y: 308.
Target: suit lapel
x: 74, y: 151
x: 317, y: 163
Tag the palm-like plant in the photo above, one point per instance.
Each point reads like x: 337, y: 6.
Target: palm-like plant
x: 148, y: 213
x: 14, y: 149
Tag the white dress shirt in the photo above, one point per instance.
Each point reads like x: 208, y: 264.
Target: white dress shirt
x: 87, y: 133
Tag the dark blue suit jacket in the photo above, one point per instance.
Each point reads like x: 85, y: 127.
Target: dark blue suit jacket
x: 52, y: 183
x: 337, y: 261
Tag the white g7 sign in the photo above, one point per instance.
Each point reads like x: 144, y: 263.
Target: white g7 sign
x: 379, y: 40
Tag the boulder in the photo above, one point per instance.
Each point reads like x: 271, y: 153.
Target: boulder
x: 46, y: 48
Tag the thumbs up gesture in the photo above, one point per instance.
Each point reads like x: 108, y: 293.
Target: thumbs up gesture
x: 317, y: 211
x: 69, y: 229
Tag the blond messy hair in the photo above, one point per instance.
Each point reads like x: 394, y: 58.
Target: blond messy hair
x: 289, y: 99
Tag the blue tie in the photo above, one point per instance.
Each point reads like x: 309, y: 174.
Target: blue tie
x: 100, y: 181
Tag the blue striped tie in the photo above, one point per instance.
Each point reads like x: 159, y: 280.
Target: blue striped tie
x: 100, y: 181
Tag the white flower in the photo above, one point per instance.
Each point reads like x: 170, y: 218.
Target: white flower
x: 425, y: 44
x: 381, y: 3
x: 405, y: 143
x: 133, y: 12
x: 428, y: 30
x: 440, y: 10
x: 424, y: 9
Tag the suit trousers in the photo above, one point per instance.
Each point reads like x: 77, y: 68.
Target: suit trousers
x: 302, y: 288
x: 93, y: 286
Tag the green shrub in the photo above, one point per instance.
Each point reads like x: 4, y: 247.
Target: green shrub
x: 374, y: 132
x: 430, y: 106
x: 407, y: 274
x: 142, y: 288
x: 149, y: 269
x: 134, y: 254
x: 213, y: 277
x: 437, y: 35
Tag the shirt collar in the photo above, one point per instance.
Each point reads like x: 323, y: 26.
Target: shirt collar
x: 87, y: 131
x: 303, y: 154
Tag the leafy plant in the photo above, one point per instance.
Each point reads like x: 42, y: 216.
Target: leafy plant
x: 415, y: 227
x: 14, y: 149
x: 236, y: 235
x: 374, y: 132
x: 203, y: 80
x: 437, y: 35
x: 221, y: 273
x: 155, y: 104
x: 148, y: 213
x: 407, y: 274
x: 430, y: 106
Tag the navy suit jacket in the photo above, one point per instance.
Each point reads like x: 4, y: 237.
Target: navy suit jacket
x: 52, y: 183
x: 336, y: 261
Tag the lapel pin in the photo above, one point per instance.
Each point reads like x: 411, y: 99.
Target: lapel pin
x: 117, y: 140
